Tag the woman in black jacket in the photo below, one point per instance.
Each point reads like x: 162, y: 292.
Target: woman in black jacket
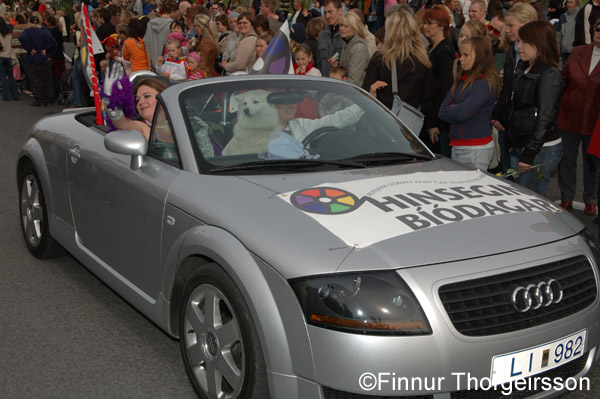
x: 517, y: 16
x: 442, y: 55
x: 403, y: 46
x: 536, y: 146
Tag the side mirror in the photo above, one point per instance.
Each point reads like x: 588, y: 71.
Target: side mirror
x: 128, y: 142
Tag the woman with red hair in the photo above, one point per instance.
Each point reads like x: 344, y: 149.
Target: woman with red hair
x: 437, y: 30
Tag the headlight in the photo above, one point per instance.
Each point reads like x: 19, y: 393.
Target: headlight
x: 592, y: 243
x: 369, y: 303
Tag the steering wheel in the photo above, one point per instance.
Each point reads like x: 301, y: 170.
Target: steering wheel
x: 318, y: 134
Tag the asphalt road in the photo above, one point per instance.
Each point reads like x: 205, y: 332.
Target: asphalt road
x: 63, y: 333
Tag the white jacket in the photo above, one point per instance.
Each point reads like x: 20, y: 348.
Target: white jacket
x: 302, y: 127
x: 177, y: 70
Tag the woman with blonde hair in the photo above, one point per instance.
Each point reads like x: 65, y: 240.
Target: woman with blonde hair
x: 517, y: 16
x: 469, y: 29
x: 403, y: 47
x: 472, y: 28
x: 127, y: 16
x: 469, y: 104
x: 355, y: 55
x: 207, y: 43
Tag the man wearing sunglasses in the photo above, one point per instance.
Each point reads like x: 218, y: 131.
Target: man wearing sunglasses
x: 494, y: 28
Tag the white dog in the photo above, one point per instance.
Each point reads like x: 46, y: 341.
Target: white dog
x: 256, y: 121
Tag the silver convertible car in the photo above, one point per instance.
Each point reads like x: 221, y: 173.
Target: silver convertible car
x: 301, y: 242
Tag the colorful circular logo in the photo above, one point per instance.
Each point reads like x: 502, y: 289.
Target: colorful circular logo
x: 324, y: 201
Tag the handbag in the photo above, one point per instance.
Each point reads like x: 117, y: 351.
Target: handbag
x: 410, y: 116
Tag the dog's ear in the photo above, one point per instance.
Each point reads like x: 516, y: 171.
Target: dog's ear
x: 239, y: 97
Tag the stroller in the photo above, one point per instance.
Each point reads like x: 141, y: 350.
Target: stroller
x: 66, y: 88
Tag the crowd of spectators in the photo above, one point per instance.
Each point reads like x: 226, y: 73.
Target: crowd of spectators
x: 503, y: 85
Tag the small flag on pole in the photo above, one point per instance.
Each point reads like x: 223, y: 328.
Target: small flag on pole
x: 277, y: 58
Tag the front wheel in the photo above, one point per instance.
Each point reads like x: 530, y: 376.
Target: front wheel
x: 33, y: 216
x: 219, y: 343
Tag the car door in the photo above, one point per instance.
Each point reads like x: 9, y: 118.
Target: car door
x: 118, y: 211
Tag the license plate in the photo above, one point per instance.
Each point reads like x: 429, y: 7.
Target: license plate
x: 527, y: 362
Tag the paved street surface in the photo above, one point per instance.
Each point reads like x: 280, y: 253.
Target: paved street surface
x: 63, y: 333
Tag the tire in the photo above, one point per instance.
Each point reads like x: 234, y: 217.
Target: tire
x: 33, y: 216
x: 219, y: 344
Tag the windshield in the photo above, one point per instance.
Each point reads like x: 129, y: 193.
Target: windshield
x: 261, y: 125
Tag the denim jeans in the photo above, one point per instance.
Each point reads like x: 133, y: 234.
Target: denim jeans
x: 537, y: 178
x: 39, y: 79
x: 477, y: 156
x: 568, y: 168
x: 10, y: 91
x: 504, y: 157
x: 24, y: 61
x: 50, y: 81
x: 445, y: 148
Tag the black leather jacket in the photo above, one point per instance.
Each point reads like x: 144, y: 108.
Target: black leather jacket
x: 533, y: 108
x: 510, y: 66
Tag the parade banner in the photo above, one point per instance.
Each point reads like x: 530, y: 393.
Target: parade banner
x: 399, y: 205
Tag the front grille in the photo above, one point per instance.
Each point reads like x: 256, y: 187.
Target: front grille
x: 484, y: 306
x: 563, y: 372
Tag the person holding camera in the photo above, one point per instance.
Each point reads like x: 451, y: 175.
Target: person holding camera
x: 355, y: 56
x: 330, y: 41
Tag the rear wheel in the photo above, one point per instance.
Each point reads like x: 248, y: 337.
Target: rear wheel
x: 34, y: 216
x: 219, y: 344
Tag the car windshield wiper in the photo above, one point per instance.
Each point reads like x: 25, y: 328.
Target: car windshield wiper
x: 387, y: 157
x: 287, y: 164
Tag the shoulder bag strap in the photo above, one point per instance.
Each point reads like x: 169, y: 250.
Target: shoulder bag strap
x: 394, y: 78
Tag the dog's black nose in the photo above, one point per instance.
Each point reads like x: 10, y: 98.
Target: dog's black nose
x: 247, y: 111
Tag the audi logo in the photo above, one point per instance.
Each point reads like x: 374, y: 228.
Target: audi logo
x: 534, y: 296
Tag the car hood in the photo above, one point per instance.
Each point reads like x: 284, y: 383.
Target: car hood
x: 376, y: 218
